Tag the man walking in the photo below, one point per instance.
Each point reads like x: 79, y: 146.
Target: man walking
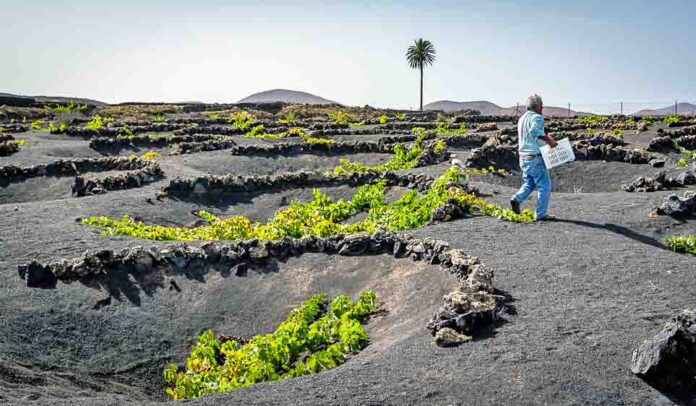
x: 530, y: 131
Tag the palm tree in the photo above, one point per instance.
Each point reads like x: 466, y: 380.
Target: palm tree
x: 419, y: 55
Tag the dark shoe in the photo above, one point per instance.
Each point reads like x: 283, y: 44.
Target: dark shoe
x: 547, y: 218
x: 515, y: 205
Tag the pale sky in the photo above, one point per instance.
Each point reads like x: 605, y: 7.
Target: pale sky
x: 591, y: 53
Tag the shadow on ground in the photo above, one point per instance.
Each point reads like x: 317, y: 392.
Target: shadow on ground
x: 615, y: 228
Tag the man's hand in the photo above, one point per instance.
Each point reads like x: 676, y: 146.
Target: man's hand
x: 552, y: 143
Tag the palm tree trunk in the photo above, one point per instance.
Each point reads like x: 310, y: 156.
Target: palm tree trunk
x: 421, y: 89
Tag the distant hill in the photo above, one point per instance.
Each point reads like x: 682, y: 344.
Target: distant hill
x: 485, y: 107
x: 682, y: 108
x: 491, y: 109
x: 19, y: 100
x: 285, y: 96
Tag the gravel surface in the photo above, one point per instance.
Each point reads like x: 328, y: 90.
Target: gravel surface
x: 586, y: 289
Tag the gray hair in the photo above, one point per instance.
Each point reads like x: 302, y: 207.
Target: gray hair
x: 534, y: 102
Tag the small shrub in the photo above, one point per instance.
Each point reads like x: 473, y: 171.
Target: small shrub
x: 125, y: 133
x: 241, y: 120
x: 98, y: 122
x: 383, y: 119
x: 156, y: 137
x: 672, y: 119
x: 402, y: 159
x: 439, y: 146
x: 288, y: 117
x: 484, y: 171
x: 316, y: 336
x: 400, y: 116
x: 150, y: 155
x: 66, y: 108
x: 682, y: 163
x: 592, y: 120
x: 685, y: 244
x: 37, y: 124
x: 443, y: 129
x: 306, y: 138
x: 419, y: 131
x: 444, y: 119
x: 258, y: 132
x: 57, y: 129
x: 159, y: 117
x: 342, y: 117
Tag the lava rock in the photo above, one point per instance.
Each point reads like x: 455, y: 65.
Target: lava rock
x: 355, y: 245
x: 667, y: 361
x: 447, y: 337
x: 657, y: 163
x: 675, y: 205
x: 38, y: 276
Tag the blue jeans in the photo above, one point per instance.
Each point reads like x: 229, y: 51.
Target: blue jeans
x: 535, y: 176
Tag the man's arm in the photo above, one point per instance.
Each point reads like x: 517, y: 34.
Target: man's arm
x: 549, y: 140
x: 538, y: 130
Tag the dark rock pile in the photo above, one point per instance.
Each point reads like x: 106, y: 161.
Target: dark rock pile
x: 562, y: 126
x: 661, y: 144
x: 429, y: 155
x: 83, y: 186
x: 666, y: 143
x: 76, y: 167
x: 682, y: 123
x: 146, y: 141
x: 483, y: 127
x: 480, y: 118
x: 608, y: 123
x: 408, y: 126
x: 472, y: 304
x: 358, y: 131
x: 503, y: 156
x: 687, y: 141
x: 271, y: 127
x: 509, y: 131
x: 212, y: 130
x: 214, y: 186
x: 596, y: 139
x: 678, y: 206
x: 113, y: 130
x: 7, y: 146
x: 667, y: 361
x: 679, y: 132
x: 322, y: 126
x: 466, y: 141
x: 584, y: 151
x: 288, y: 149
x: 14, y: 127
x: 660, y: 181
x: 213, y: 144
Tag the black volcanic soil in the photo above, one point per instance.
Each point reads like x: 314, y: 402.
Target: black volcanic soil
x: 586, y: 289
